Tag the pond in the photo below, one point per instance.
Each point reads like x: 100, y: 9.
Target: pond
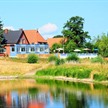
x: 40, y: 93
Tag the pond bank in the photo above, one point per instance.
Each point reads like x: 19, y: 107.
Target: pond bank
x: 61, y: 78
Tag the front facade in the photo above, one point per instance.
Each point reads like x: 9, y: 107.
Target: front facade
x: 24, y: 42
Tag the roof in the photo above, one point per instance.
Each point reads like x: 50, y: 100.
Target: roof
x: 12, y: 37
x: 52, y: 41
x: 34, y: 36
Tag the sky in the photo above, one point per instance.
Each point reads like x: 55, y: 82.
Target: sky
x: 49, y: 16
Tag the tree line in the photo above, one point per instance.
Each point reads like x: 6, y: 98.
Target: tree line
x: 74, y: 37
x: 77, y: 38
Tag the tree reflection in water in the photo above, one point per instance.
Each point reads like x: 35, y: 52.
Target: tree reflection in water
x: 59, y: 94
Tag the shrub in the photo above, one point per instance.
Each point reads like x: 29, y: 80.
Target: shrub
x: 59, y: 61
x: 97, y: 59
x: 62, y: 61
x: 32, y: 58
x: 72, y: 57
x: 52, y: 58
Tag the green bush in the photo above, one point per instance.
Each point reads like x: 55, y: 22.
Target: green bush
x: 52, y: 58
x: 59, y: 61
x: 72, y: 57
x: 97, y: 59
x: 62, y: 61
x: 32, y: 58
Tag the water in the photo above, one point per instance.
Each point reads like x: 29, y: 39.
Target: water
x: 52, y: 94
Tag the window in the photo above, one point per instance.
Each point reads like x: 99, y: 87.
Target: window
x: 2, y: 50
x: 23, y: 49
x: 32, y: 49
x: 41, y: 49
x: 46, y: 49
x: 13, y: 49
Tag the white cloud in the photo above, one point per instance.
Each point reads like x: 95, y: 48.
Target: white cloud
x: 9, y: 27
x: 47, y: 36
x: 48, y: 28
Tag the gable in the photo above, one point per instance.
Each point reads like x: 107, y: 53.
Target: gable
x: 34, y: 37
x: 23, y: 39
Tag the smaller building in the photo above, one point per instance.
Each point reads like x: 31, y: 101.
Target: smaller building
x: 24, y: 42
x: 52, y: 41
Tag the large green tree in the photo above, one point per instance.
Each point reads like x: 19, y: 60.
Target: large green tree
x: 73, y: 31
x: 1, y: 34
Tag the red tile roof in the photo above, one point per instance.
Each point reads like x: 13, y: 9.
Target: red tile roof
x: 34, y: 36
x: 52, y: 41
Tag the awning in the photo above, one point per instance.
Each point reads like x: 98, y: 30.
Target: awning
x: 86, y: 49
x: 77, y: 50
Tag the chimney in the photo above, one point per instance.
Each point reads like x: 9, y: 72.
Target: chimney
x: 37, y: 31
x: 6, y: 31
x: 21, y: 29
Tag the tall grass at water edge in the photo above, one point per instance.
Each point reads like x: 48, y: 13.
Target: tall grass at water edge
x: 74, y: 72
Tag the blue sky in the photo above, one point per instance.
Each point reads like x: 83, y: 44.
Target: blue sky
x: 49, y: 16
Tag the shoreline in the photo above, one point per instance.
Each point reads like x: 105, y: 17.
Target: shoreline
x: 62, y: 78
x: 59, y: 78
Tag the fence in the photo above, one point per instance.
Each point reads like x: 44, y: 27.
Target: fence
x: 80, y: 55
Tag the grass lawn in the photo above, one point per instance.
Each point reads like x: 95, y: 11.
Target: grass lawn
x: 15, y: 66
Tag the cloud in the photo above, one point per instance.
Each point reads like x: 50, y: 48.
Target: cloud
x: 9, y: 27
x: 47, y: 36
x: 48, y: 28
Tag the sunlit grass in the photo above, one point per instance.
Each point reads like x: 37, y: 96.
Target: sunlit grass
x: 9, y: 67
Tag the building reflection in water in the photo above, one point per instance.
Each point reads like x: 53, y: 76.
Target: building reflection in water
x: 75, y: 95
x: 39, y: 99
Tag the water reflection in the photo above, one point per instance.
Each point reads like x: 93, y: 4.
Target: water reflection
x: 52, y: 94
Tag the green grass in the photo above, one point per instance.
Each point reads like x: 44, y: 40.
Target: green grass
x: 97, y: 59
x: 100, y: 77
x: 75, y: 72
x: 52, y: 58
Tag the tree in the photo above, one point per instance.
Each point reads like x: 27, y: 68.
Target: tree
x: 55, y: 46
x: 1, y: 34
x: 58, y: 36
x: 102, y: 44
x: 70, y: 46
x: 73, y: 31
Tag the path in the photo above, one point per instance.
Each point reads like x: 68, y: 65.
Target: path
x: 32, y: 73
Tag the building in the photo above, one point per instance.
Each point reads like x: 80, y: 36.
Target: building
x: 52, y: 41
x: 21, y: 41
